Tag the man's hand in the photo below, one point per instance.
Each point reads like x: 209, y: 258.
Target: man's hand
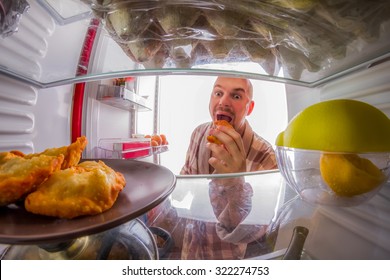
x: 230, y: 156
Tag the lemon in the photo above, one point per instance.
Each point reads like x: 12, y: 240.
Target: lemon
x: 340, y: 125
x: 349, y: 175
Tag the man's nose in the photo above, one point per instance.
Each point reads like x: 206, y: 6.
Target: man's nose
x: 224, y: 100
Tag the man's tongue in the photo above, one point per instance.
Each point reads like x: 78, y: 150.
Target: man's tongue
x: 224, y: 117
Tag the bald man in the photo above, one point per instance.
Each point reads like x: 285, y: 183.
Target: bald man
x: 243, y: 150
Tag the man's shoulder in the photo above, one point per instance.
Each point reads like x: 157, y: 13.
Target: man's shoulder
x: 199, y: 132
x: 260, y: 144
x: 202, y: 127
x: 206, y: 124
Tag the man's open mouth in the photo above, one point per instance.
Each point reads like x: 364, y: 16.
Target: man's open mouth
x: 224, y: 117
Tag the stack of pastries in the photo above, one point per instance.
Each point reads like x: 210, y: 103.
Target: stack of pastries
x: 54, y: 183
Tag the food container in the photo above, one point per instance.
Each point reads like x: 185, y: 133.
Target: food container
x: 345, y: 179
x: 129, y: 148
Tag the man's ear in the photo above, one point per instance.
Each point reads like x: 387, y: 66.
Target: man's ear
x: 250, y: 108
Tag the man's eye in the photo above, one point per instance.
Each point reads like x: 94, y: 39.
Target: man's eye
x: 218, y: 93
x: 236, y: 96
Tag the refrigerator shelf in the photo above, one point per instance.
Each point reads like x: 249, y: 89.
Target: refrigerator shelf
x: 127, y: 148
x: 131, y: 154
x: 120, y: 97
x: 66, y: 12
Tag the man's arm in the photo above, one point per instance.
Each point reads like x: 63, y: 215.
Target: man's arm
x: 231, y: 199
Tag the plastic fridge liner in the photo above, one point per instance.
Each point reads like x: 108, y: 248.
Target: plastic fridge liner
x: 10, y: 14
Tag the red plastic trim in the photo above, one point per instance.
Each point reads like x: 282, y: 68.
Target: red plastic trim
x: 82, y: 69
x: 77, y: 113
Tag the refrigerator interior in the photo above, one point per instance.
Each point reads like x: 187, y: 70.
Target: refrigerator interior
x: 37, y: 89
x: 182, y: 105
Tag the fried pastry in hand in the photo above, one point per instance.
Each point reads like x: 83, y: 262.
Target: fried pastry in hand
x: 212, y: 138
x: 72, y: 153
x: 20, y: 176
x: 86, y: 189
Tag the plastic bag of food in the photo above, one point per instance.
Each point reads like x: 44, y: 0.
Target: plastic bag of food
x: 298, y: 36
x: 10, y: 13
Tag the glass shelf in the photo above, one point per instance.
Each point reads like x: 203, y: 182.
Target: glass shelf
x: 197, y: 213
x: 66, y: 12
x: 306, y: 46
x: 120, y: 97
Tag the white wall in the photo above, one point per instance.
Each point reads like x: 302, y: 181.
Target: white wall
x: 299, y: 97
x: 184, y: 105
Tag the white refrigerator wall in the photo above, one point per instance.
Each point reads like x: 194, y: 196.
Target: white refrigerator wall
x: 33, y: 119
x: 371, y: 85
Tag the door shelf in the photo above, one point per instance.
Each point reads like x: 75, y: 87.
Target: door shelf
x: 137, y: 153
x: 120, y: 97
x: 129, y: 148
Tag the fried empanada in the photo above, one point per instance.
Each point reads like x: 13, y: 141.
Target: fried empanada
x: 86, y: 189
x: 212, y: 138
x: 72, y: 153
x: 20, y: 176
